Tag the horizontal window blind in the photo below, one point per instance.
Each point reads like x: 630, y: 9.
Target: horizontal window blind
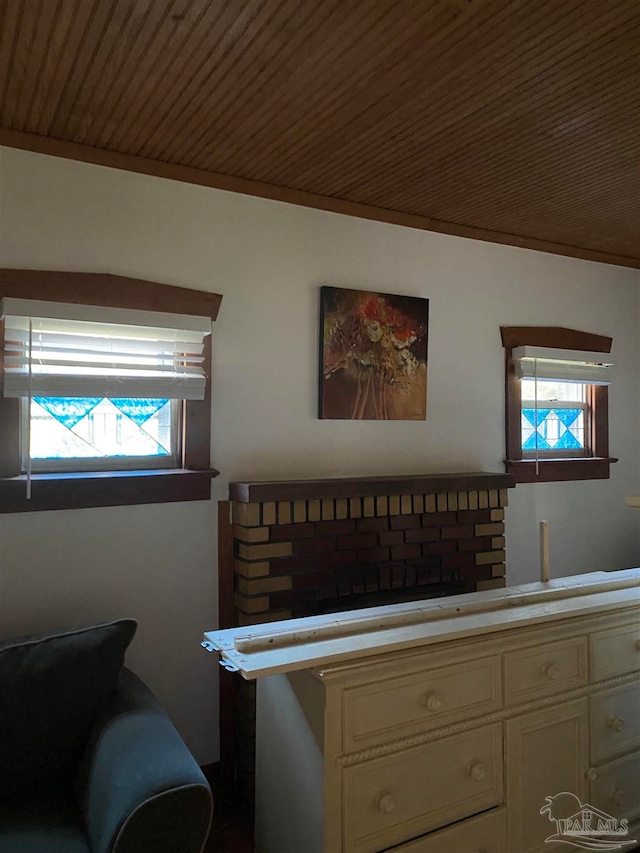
x: 547, y: 364
x: 58, y: 350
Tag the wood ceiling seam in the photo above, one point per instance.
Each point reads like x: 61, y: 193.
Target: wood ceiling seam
x: 223, y: 88
x: 387, y: 105
x: 66, y: 38
x: 12, y: 36
x: 72, y: 83
x: 99, y: 68
x: 118, y: 139
x: 4, y: 65
x: 204, y: 138
x: 26, y: 39
x: 178, y: 88
x: 500, y: 113
x: 304, y: 146
x: 419, y: 120
x: 340, y: 50
x: 153, y: 45
x: 24, y: 109
x: 441, y: 174
x: 123, y: 47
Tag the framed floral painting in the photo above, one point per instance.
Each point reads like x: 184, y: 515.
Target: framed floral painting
x: 373, y: 355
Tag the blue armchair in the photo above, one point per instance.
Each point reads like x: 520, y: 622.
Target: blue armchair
x: 135, y: 789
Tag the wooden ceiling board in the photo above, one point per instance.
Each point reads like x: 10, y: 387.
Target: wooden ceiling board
x: 459, y: 145
x: 378, y: 111
x: 147, y: 61
x: 448, y: 124
x: 179, y: 41
x: 340, y: 73
x: 502, y: 119
x: 290, y: 74
x: 69, y: 21
x: 225, y: 72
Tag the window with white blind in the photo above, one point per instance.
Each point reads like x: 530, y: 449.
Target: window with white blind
x: 95, y: 391
x: 100, y: 387
x: 556, y: 403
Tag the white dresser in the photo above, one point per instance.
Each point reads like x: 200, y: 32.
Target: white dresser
x: 443, y: 726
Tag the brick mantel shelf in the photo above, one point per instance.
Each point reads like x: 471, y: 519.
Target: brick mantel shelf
x: 347, y: 487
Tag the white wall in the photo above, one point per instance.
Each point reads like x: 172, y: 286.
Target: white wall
x: 157, y: 563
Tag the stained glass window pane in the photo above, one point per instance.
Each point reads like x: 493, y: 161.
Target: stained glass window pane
x: 553, y: 428
x: 69, y: 428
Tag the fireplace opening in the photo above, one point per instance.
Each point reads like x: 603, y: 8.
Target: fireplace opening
x: 370, y: 587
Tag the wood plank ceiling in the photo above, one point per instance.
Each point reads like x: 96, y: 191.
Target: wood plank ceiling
x: 514, y: 121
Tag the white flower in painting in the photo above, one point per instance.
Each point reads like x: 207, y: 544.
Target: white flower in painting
x: 408, y: 362
x: 374, y: 331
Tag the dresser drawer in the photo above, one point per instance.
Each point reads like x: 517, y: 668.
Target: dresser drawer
x: 616, y: 788
x: 544, y: 670
x: 614, y: 722
x: 397, y: 797
x: 487, y: 832
x: 375, y: 713
x: 615, y: 652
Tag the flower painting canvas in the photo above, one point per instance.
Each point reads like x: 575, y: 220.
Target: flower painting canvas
x: 373, y: 355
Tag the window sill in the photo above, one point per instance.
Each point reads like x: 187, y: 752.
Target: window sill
x: 80, y: 490
x: 557, y: 470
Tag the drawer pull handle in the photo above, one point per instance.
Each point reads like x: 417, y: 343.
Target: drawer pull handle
x: 386, y: 803
x: 476, y: 771
x: 591, y: 774
x: 637, y: 645
x: 432, y: 702
x: 615, y: 723
x: 551, y: 670
x: 616, y: 796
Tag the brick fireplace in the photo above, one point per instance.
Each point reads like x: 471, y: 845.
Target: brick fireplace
x: 301, y: 547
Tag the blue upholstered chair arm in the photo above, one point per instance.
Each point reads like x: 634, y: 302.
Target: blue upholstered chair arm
x: 138, y: 785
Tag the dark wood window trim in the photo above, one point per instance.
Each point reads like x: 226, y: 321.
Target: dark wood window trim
x: 190, y: 482
x: 595, y: 467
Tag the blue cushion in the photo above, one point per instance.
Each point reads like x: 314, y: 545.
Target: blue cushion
x: 53, y: 687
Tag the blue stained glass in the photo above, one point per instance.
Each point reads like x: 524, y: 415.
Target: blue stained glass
x: 139, y: 409
x: 568, y: 441
x: 567, y: 416
x: 530, y: 443
x: 69, y: 411
x: 530, y: 415
x: 556, y: 428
